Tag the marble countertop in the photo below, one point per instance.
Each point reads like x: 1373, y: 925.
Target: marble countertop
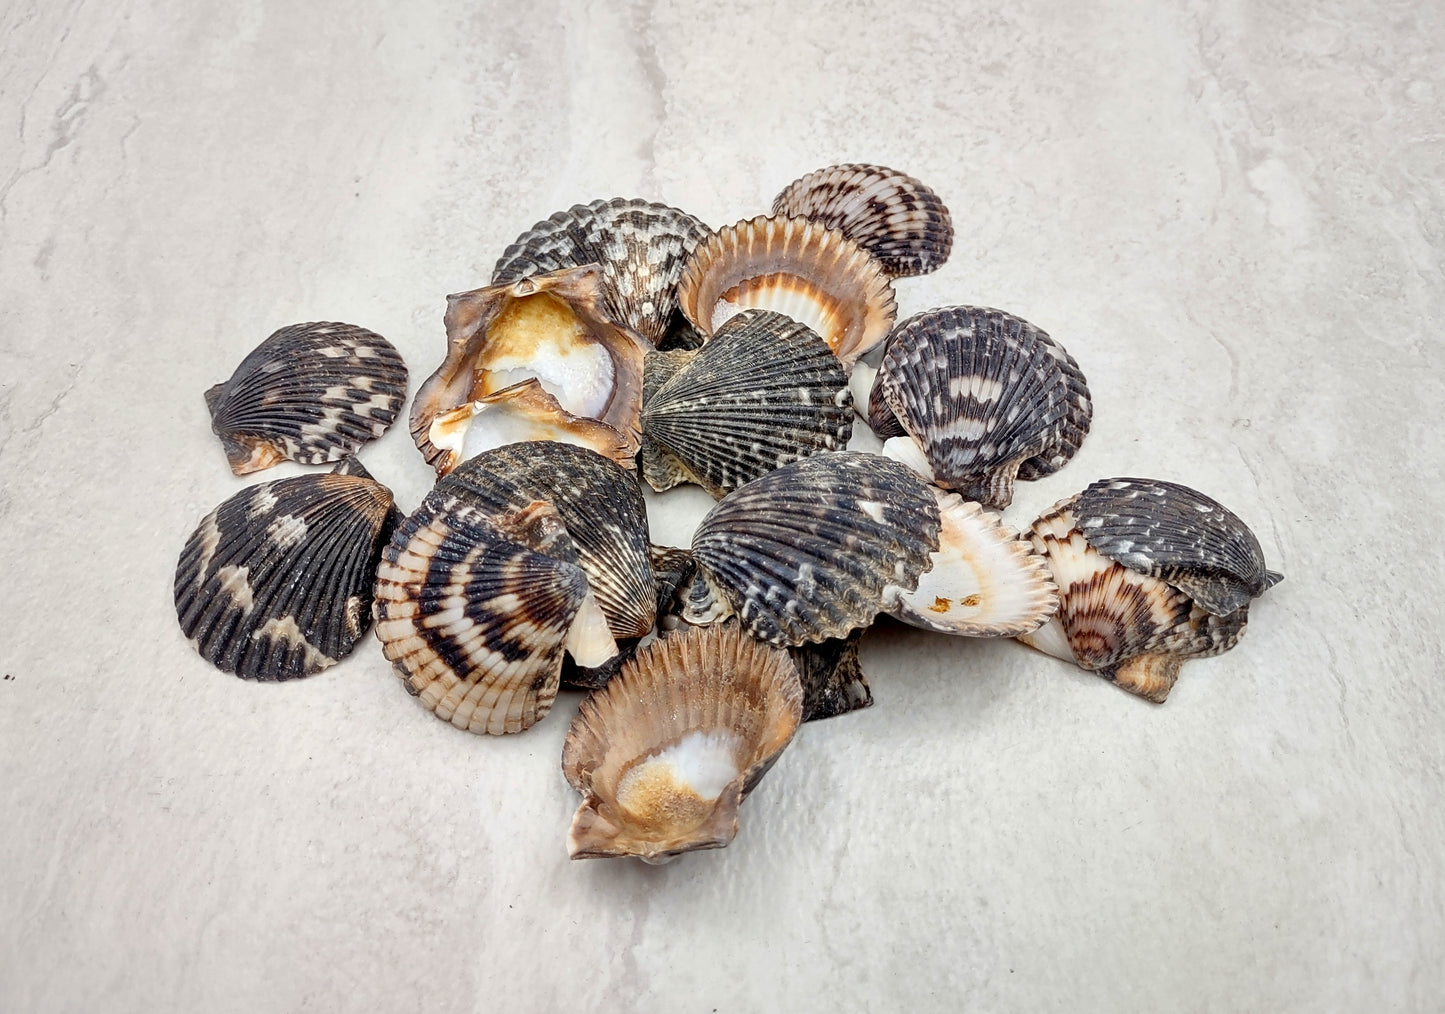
x: 1232, y: 215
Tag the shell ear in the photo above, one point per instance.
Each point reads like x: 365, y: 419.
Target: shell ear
x: 1148, y: 676
x: 1272, y: 578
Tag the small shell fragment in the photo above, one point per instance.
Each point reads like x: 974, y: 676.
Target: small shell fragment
x: 664, y: 755
x: 639, y: 245
x: 275, y: 583
x: 983, y: 397
x: 803, y: 269
x: 550, y: 329
x: 476, y: 609
x: 833, y: 681
x: 892, y: 215
x: 764, y: 391
x: 310, y: 393
x: 1110, y: 549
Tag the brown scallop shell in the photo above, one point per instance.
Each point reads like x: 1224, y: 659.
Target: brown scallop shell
x: 497, y: 337
x: 666, y: 753
x: 803, y: 269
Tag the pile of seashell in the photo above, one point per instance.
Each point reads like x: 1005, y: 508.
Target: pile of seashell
x: 624, y: 342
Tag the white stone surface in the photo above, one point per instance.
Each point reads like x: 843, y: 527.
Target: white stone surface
x: 1230, y: 212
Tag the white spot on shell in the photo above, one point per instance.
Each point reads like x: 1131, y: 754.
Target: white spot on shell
x: 285, y: 631
x: 286, y: 531
x: 234, y: 583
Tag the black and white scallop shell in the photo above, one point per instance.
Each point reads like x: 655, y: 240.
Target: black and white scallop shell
x: 475, y: 609
x: 984, y: 397
x: 763, y: 392
x: 600, y: 505
x: 276, y: 582
x: 640, y: 245
x: 311, y: 393
x: 892, y: 215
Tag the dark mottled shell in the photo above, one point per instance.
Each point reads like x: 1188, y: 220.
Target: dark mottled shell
x: 600, y: 505
x: 673, y: 568
x: 803, y: 269
x: 1178, y: 534
x: 311, y: 393
x: 667, y: 752
x: 1132, y: 628
x: 890, y: 214
x: 812, y: 550
x: 474, y: 609
x: 275, y: 583
x: 833, y: 681
x: 982, y: 392
x: 765, y: 391
x: 640, y: 245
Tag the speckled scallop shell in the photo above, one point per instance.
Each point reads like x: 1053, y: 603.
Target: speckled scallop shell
x: 311, y: 393
x: 666, y: 753
x: 765, y: 391
x: 1117, y: 616
x: 803, y: 269
x: 275, y: 583
x: 640, y: 246
x: 981, y: 394
x: 476, y: 609
x: 818, y: 548
x: 893, y: 216
x: 833, y: 681
x: 552, y: 328
x: 599, y: 503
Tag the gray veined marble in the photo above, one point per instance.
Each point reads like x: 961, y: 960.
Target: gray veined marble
x: 1231, y: 214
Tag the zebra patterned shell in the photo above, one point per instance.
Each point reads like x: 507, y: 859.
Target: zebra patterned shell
x: 765, y: 391
x: 599, y: 503
x: 276, y: 582
x: 310, y: 393
x: 641, y: 247
x: 1179, y: 535
x: 987, y: 397
x: 893, y: 216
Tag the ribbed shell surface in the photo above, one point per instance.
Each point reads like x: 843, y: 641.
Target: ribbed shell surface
x: 806, y: 552
x: 1178, y: 534
x: 793, y: 266
x: 474, y: 620
x: 699, y: 681
x: 310, y: 393
x: 983, y: 392
x: 764, y: 392
x: 599, y: 503
x: 276, y: 582
x: 640, y: 245
x: 890, y: 214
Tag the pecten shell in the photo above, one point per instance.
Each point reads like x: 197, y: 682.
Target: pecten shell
x: 640, y: 247
x: 551, y: 329
x: 983, y: 397
x: 763, y: 392
x: 1150, y: 574
x: 803, y: 269
x: 666, y: 753
x: 275, y: 583
x: 893, y: 216
x: 310, y: 393
x: 476, y: 609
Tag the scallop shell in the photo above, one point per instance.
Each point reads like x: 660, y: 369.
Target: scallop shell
x: 476, y: 609
x: 981, y: 393
x: 522, y: 412
x: 833, y: 681
x: 814, y: 549
x: 765, y: 391
x: 275, y: 583
x: 892, y: 215
x: 673, y: 569
x: 803, y: 269
x: 640, y: 246
x: 311, y: 393
x: 552, y: 328
x: 666, y: 753
x: 1120, y: 620
x: 601, y: 507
